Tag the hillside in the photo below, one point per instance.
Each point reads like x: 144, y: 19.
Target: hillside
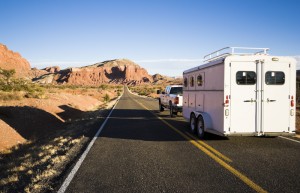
x: 13, y: 60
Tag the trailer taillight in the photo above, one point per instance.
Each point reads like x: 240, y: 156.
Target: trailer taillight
x: 226, y: 101
x: 176, y: 100
x: 292, y: 101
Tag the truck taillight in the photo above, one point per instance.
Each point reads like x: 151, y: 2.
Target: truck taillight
x: 292, y: 101
x: 176, y: 100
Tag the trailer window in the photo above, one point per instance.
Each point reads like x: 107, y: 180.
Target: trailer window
x: 275, y: 78
x: 192, y: 81
x: 185, y: 82
x: 246, y: 78
x: 199, y: 80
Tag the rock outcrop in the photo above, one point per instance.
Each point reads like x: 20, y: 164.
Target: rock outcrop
x: 13, y: 60
x: 159, y: 79
x: 52, y: 69
x: 121, y: 71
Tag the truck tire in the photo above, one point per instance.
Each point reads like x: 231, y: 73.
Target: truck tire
x: 193, y: 123
x: 200, y: 127
x: 171, y: 109
x: 161, y: 108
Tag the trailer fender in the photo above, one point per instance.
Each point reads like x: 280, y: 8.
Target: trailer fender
x: 206, y: 118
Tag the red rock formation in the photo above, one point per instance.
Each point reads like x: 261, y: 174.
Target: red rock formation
x: 52, y: 69
x: 113, y: 71
x: 13, y: 60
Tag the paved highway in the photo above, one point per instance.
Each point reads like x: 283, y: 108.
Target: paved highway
x: 142, y: 150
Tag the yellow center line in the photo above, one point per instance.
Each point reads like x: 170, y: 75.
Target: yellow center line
x: 205, y: 148
x: 209, y: 147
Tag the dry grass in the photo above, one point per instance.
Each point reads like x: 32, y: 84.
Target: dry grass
x: 148, y: 90
x: 34, y: 166
x: 38, y: 167
x: 7, y: 96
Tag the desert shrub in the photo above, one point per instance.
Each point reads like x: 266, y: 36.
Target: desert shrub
x: 11, y: 85
x: 106, y: 98
x: 6, y: 96
x: 103, y: 86
x: 7, y: 75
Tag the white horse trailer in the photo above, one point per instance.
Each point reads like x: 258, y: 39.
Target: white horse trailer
x: 241, y: 91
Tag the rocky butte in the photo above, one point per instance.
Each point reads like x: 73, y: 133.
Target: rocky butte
x: 119, y: 71
x: 13, y: 60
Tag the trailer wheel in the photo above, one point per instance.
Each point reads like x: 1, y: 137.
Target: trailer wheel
x: 161, y: 108
x: 193, y: 122
x: 200, y: 127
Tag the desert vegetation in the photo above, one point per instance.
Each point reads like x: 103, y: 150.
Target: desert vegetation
x: 16, y: 88
x: 44, y: 128
x: 146, y: 90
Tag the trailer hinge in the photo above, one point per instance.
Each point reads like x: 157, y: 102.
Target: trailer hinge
x: 229, y: 64
x: 289, y: 65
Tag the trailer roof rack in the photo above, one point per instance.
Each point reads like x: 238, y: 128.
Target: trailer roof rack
x: 234, y: 51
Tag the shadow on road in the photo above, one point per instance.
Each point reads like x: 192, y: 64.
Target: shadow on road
x: 143, y: 125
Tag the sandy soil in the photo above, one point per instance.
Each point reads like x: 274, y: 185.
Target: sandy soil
x: 39, y: 138
x: 30, y: 118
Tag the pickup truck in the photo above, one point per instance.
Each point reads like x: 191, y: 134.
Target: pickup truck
x: 171, y: 98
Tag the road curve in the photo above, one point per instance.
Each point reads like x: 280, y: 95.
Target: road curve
x: 142, y: 150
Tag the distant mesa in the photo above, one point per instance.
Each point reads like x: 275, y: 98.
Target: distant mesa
x: 117, y: 71
x: 52, y: 69
x: 159, y: 79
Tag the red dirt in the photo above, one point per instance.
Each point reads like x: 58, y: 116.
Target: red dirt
x: 30, y: 118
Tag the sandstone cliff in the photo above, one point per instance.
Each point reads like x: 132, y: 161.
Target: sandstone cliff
x: 13, y: 60
x: 121, y: 71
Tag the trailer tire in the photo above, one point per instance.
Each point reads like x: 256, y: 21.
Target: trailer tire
x: 193, y: 123
x: 161, y: 108
x: 200, y: 127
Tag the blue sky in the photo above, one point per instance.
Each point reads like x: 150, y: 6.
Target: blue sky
x: 163, y: 36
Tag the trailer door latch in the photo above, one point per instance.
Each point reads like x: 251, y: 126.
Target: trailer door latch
x: 250, y: 101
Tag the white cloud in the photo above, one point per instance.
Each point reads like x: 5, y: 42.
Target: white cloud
x: 168, y: 60
x: 168, y: 67
x: 298, y: 62
x: 61, y: 64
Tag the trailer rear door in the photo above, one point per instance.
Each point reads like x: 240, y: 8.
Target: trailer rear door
x: 260, y: 97
x: 276, y: 98
x: 243, y: 97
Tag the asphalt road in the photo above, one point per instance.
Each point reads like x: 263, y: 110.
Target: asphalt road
x: 142, y: 150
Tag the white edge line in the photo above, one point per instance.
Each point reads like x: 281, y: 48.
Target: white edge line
x: 71, y: 175
x: 289, y: 139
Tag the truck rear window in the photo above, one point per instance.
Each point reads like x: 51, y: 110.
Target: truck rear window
x: 176, y: 90
x: 246, y: 78
x: 275, y: 78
